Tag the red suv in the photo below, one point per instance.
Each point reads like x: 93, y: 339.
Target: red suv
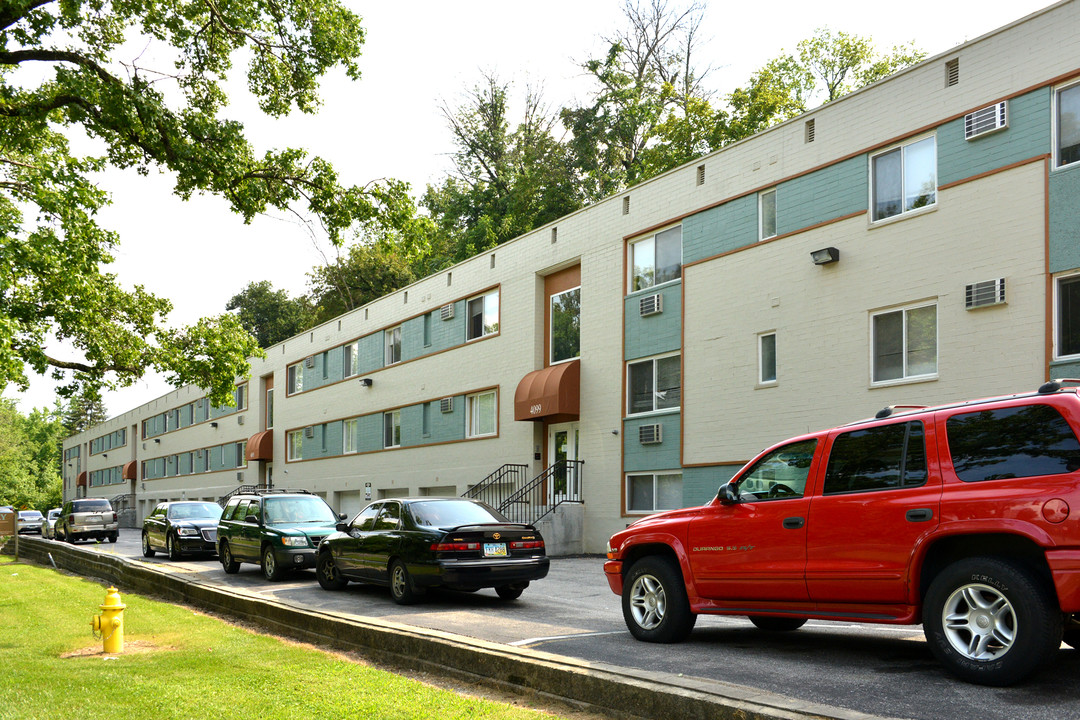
x: 959, y: 517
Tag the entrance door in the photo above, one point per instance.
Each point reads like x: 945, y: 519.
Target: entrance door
x: 269, y: 475
x: 562, y: 452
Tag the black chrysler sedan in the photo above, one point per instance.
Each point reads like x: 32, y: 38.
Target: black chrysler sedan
x: 181, y: 528
x: 411, y: 544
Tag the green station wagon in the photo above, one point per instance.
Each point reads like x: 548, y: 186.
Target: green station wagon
x: 279, y: 529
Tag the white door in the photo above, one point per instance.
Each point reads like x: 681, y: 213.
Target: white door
x: 563, y: 440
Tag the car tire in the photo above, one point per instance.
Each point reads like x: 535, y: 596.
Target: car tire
x: 654, y: 602
x: 511, y: 592
x: 147, y: 551
x: 401, y: 585
x: 271, y: 569
x: 172, y: 547
x: 777, y: 624
x: 114, y: 537
x: 330, y: 578
x: 228, y: 562
x: 989, y: 621
x: 70, y: 537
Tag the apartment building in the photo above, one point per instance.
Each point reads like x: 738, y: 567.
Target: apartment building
x: 914, y: 242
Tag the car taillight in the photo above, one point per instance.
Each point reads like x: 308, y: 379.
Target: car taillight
x: 71, y: 519
x: 114, y: 517
x: 454, y: 547
x: 526, y: 544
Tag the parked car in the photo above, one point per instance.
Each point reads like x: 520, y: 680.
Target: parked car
x: 48, y: 524
x: 29, y: 522
x: 181, y: 528
x: 279, y: 529
x: 85, y: 518
x: 412, y: 544
x: 958, y: 517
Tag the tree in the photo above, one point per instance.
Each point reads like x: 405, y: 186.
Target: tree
x: 83, y: 411
x: 365, y: 273
x: 88, y: 78
x: 270, y: 315
x: 29, y: 457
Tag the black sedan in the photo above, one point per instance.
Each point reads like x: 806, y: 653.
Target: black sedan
x: 181, y: 528
x: 411, y: 544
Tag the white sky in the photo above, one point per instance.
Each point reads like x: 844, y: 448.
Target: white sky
x: 418, y: 54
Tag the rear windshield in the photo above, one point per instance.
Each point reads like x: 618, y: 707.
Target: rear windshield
x: 452, y: 513
x: 91, y: 506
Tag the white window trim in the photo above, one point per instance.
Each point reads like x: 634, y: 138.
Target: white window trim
x: 299, y: 375
x: 347, y: 435
x: 353, y: 358
x: 1054, y: 130
x: 761, y: 381
x: 470, y: 414
x: 761, y: 215
x: 551, y: 327
x: 903, y: 214
x: 388, y: 344
x: 289, y: 456
x: 630, y: 260
x: 1057, y: 315
x: 468, y: 317
x: 654, y: 474
x: 654, y: 411
x: 396, y: 421
x: 906, y: 379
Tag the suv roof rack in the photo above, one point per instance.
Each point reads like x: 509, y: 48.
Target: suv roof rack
x: 271, y: 491
x: 1055, y: 385
x: 889, y: 410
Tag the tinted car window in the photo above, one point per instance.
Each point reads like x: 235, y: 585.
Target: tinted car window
x: 452, y: 513
x: 1012, y: 442
x: 390, y: 517
x: 365, y: 521
x: 91, y: 506
x: 780, y: 474
x: 878, y: 458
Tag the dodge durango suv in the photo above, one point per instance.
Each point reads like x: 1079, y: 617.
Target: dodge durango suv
x: 964, y: 518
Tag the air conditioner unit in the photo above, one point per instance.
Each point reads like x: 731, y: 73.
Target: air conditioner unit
x: 446, y: 405
x: 651, y: 305
x: 446, y: 312
x: 985, y: 293
x: 650, y: 434
x: 986, y: 120
x: 309, y: 431
x: 240, y: 477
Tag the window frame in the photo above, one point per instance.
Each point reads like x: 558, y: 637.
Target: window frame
x: 294, y: 378
x: 873, y: 176
x: 393, y: 428
x: 1058, y: 280
x: 472, y: 418
x: 630, y: 412
x: 905, y: 377
x: 392, y: 346
x: 761, y: 379
x: 293, y: 450
x: 350, y: 359
x: 1056, y: 125
x: 761, y: 214
x: 492, y: 297
x: 348, y: 436
x: 551, y: 326
x: 632, y: 280
x: 655, y: 475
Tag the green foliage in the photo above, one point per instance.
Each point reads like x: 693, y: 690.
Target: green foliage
x: 84, y: 411
x: 365, y: 273
x: 52, y: 283
x: 270, y: 315
x: 29, y: 457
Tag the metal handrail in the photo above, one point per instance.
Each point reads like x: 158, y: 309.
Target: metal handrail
x: 500, y: 484
x: 558, y: 484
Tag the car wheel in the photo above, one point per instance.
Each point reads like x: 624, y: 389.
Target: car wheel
x: 511, y: 592
x: 654, y: 601
x: 70, y: 537
x: 114, y: 537
x: 328, y: 574
x: 271, y: 569
x: 777, y: 624
x: 990, y: 621
x: 171, y: 547
x: 230, y: 565
x: 147, y: 551
x: 401, y: 587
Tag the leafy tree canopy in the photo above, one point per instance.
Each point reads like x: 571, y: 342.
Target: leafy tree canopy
x: 270, y: 315
x: 72, y: 70
x: 30, y: 457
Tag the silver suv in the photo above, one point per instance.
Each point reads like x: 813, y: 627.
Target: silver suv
x: 87, y: 518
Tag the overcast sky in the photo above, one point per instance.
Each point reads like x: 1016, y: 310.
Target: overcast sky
x: 417, y: 55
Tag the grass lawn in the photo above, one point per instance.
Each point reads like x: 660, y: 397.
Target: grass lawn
x: 182, y: 664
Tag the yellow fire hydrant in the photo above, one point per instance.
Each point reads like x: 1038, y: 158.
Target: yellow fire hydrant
x: 110, y: 623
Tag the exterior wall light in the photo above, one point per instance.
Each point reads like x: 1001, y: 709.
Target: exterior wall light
x: 213, y: 424
x: 366, y: 382
x: 824, y: 256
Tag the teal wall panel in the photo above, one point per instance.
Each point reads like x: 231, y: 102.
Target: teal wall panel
x: 701, y: 483
x: 370, y: 429
x: 828, y: 193
x: 654, y: 334
x: 1027, y: 135
x: 448, y: 333
x: 447, y: 427
x: 720, y: 229
x: 1065, y: 219
x: 661, y: 456
x: 411, y: 420
x: 371, y: 353
x: 412, y: 341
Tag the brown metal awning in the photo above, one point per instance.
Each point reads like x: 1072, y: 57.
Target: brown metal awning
x: 260, y: 446
x: 553, y: 393
x: 80, y: 479
x: 129, y: 470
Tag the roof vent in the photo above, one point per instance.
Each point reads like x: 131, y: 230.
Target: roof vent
x: 987, y: 120
x: 984, y: 294
x: 952, y: 72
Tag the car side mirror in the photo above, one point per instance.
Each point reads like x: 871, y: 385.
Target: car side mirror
x: 342, y: 526
x: 342, y: 516
x: 727, y: 494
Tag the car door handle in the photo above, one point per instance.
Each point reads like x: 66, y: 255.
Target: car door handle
x: 794, y: 523
x: 919, y: 515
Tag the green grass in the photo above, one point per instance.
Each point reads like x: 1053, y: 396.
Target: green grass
x: 198, y: 667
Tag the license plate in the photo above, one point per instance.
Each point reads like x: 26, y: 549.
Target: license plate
x: 95, y: 519
x: 494, y: 549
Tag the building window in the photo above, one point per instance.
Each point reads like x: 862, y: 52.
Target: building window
x: 767, y: 358
x: 269, y: 408
x: 393, y: 346
x: 295, y: 382
x: 904, y: 178
x: 350, y: 357
x: 651, y: 492
x: 483, y: 315
x: 481, y: 409
x: 566, y: 325
x: 767, y: 214
x: 240, y: 396
x: 656, y: 259
x: 654, y: 384
x: 348, y: 436
x: 392, y: 429
x: 1067, y: 337
x: 905, y: 344
x: 296, y: 445
x: 1068, y: 125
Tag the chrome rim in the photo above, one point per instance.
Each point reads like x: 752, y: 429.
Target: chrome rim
x: 398, y: 581
x: 171, y: 546
x: 145, y: 543
x: 226, y: 556
x: 329, y: 570
x: 268, y: 562
x: 648, y: 602
x: 979, y: 622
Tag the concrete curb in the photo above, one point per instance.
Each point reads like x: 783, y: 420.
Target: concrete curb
x: 600, y: 686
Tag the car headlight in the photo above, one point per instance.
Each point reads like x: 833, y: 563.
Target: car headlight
x: 187, y: 531
x: 301, y: 541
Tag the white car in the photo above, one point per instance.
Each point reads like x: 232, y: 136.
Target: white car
x: 48, y: 524
x: 30, y: 521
